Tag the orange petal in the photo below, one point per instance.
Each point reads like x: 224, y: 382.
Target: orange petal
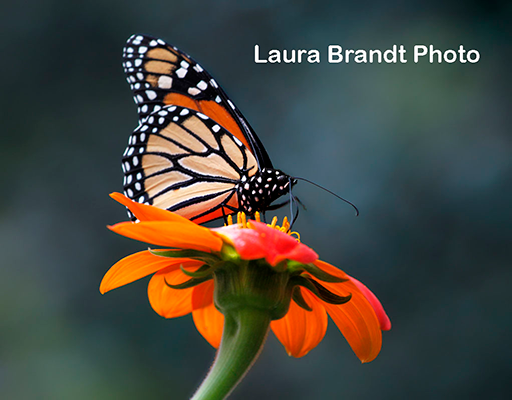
x: 209, y: 321
x: 134, y: 267
x: 144, y: 212
x: 356, y: 320
x: 168, y: 302
x: 299, y: 330
x: 170, y: 234
x: 331, y: 269
x: 385, y: 323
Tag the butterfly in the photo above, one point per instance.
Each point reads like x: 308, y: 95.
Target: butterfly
x: 193, y: 152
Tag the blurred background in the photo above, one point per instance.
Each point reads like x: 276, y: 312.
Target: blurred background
x: 424, y: 150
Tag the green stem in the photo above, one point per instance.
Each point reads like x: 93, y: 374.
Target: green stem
x: 245, y: 331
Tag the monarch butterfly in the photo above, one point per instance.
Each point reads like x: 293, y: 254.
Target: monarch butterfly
x: 193, y: 152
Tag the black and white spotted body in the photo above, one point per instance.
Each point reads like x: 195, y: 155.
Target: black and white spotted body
x: 258, y: 192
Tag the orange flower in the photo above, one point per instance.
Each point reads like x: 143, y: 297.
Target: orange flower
x: 351, y: 305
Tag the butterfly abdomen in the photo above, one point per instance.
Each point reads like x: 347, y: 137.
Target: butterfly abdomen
x: 257, y: 192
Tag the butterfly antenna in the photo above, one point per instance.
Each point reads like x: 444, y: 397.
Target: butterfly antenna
x: 327, y: 190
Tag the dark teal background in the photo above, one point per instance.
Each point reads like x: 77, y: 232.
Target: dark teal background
x: 423, y: 149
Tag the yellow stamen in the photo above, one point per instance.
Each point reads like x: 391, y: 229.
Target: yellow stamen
x: 297, y: 235
x: 242, y: 220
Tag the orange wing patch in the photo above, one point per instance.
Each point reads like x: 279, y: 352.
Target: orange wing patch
x: 181, y: 100
x: 212, y: 110
x: 220, y: 115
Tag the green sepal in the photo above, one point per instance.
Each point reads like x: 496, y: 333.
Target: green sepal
x: 208, y: 258
x: 295, y: 267
x: 190, y: 283
x: 328, y: 296
x: 229, y: 253
x: 281, y: 266
x: 322, y: 275
x: 321, y: 292
x: 299, y: 299
x: 203, y: 271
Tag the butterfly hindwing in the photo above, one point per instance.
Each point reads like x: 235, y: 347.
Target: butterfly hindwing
x: 181, y: 160
x: 160, y: 75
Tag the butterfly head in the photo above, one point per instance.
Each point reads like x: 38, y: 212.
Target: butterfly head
x: 257, y: 192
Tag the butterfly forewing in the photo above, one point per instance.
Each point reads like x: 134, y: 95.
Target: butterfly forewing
x: 181, y: 160
x: 160, y: 75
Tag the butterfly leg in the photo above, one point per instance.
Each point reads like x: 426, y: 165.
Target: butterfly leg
x: 276, y: 206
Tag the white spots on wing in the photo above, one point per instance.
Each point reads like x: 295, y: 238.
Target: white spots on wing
x: 129, y: 50
x: 142, y: 49
x: 214, y: 83
x: 165, y: 82
x: 138, y: 186
x: 202, y: 85
x: 130, y: 151
x: 144, y: 108
x: 181, y: 72
x: 139, y: 99
x: 163, y: 113
x: 138, y: 62
x: 140, y: 76
x: 237, y: 141
x: 151, y: 120
x: 215, y: 128
x: 142, y: 137
x: 193, y: 91
x: 175, y: 119
x: 151, y: 94
x: 139, y: 176
x: 157, y: 107
x: 129, y: 179
x: 172, y: 108
x: 160, y: 41
x: 231, y: 104
x: 161, y: 120
x: 153, y: 43
x: 202, y: 116
x: 185, y: 111
x: 217, y: 99
x: 184, y: 64
x: 129, y: 192
x: 198, y: 68
x: 135, y: 161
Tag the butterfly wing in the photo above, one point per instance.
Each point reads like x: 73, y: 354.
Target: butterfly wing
x: 183, y: 161
x: 160, y: 75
